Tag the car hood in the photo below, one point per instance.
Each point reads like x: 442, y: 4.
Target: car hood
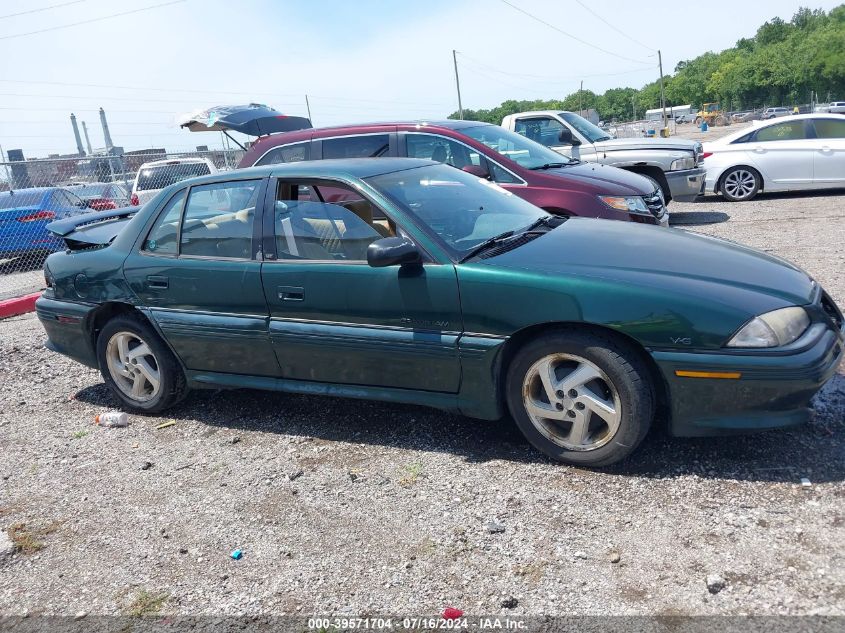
x: 647, y: 143
x: 600, y: 179
x: 674, y: 260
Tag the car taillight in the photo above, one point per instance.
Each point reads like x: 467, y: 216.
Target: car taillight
x: 102, y: 204
x: 38, y: 215
x: 706, y: 154
x: 133, y: 200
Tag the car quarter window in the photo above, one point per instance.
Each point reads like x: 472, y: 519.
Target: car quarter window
x: 163, y: 237
x: 362, y: 146
x: 218, y: 220
x: 829, y: 128
x: 786, y: 131
x: 325, y: 221
x: 295, y: 153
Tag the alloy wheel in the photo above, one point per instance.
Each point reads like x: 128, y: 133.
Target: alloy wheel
x: 571, y: 402
x: 740, y: 184
x: 133, y: 366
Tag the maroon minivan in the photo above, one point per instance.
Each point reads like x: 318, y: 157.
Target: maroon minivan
x: 530, y: 170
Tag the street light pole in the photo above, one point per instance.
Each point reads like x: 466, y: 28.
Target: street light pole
x: 458, y: 84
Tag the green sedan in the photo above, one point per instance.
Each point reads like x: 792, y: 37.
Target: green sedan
x: 409, y: 281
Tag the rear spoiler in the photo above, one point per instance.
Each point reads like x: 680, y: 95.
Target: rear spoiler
x: 68, y: 225
x: 91, y: 229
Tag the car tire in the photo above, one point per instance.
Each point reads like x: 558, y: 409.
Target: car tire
x: 740, y: 184
x: 602, y: 401
x: 138, y: 367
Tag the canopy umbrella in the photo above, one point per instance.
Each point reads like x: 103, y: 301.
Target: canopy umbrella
x: 254, y: 119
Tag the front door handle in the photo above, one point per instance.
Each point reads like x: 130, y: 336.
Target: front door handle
x: 291, y: 293
x: 158, y: 282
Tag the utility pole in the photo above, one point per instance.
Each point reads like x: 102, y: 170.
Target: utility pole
x: 580, y: 99
x: 634, y: 106
x: 662, y: 95
x: 308, y: 106
x: 458, y: 84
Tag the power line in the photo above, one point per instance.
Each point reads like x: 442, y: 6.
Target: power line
x: 52, y: 6
x: 549, y: 77
x: 100, y: 98
x: 622, y: 33
x: 569, y: 35
x: 100, y: 19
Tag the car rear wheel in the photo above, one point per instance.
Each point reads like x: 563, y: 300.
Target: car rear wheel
x: 740, y: 184
x: 580, y: 398
x: 137, y: 366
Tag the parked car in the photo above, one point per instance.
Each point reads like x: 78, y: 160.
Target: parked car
x: 836, y: 107
x: 802, y: 151
x: 557, y: 184
x: 773, y: 113
x: 464, y: 297
x: 102, y: 196
x: 154, y: 176
x: 671, y: 162
x: 25, y: 213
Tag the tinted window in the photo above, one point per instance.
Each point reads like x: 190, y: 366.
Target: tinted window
x: 218, y: 219
x: 318, y: 222
x: 829, y: 128
x: 370, y: 146
x: 287, y: 154
x: 162, y: 238
x: 74, y: 200
x: 543, y: 130
x: 162, y: 176
x: 441, y: 149
x: 787, y: 131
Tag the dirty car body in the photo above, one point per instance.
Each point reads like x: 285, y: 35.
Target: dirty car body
x: 463, y: 297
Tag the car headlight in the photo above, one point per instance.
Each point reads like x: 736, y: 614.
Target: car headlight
x: 773, y: 329
x: 682, y: 163
x: 631, y: 204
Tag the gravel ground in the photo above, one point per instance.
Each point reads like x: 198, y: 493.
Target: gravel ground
x: 368, y: 508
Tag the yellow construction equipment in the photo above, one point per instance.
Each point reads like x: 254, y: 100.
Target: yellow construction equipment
x: 712, y: 114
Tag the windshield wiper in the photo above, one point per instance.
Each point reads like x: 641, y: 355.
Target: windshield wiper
x: 546, y: 219
x: 602, y: 138
x: 549, y: 166
x: 483, y: 246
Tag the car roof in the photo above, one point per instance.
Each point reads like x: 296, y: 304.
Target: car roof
x: 174, y: 161
x: 33, y: 190
x: 329, y: 168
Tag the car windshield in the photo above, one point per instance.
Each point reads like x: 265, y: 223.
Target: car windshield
x: 161, y: 176
x: 591, y: 132
x: 459, y: 209
x: 521, y: 150
x: 20, y: 199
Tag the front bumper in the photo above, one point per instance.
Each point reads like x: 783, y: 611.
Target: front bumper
x: 773, y: 390
x: 66, y: 324
x: 686, y: 184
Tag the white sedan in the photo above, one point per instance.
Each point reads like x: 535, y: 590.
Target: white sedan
x: 799, y: 152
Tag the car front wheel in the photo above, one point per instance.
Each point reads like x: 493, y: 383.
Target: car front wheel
x: 580, y: 398
x: 740, y: 184
x: 137, y: 366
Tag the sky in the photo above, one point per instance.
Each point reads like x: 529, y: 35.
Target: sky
x: 362, y: 60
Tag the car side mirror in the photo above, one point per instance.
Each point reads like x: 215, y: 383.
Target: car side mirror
x: 393, y: 251
x: 566, y: 138
x: 476, y: 170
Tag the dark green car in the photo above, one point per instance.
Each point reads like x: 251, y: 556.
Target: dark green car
x: 410, y: 281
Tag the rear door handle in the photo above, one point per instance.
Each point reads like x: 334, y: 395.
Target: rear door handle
x: 157, y: 281
x: 291, y: 293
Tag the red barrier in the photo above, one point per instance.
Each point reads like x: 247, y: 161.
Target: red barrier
x: 18, y: 305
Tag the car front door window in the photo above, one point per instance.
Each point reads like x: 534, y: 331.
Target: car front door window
x: 544, y: 130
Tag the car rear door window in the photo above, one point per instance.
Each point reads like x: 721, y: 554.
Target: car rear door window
x: 365, y: 146
x: 287, y: 154
x: 218, y: 220
x: 829, y: 128
x: 441, y: 149
x: 786, y: 131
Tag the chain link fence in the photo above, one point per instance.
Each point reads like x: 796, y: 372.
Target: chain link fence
x: 34, y: 193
